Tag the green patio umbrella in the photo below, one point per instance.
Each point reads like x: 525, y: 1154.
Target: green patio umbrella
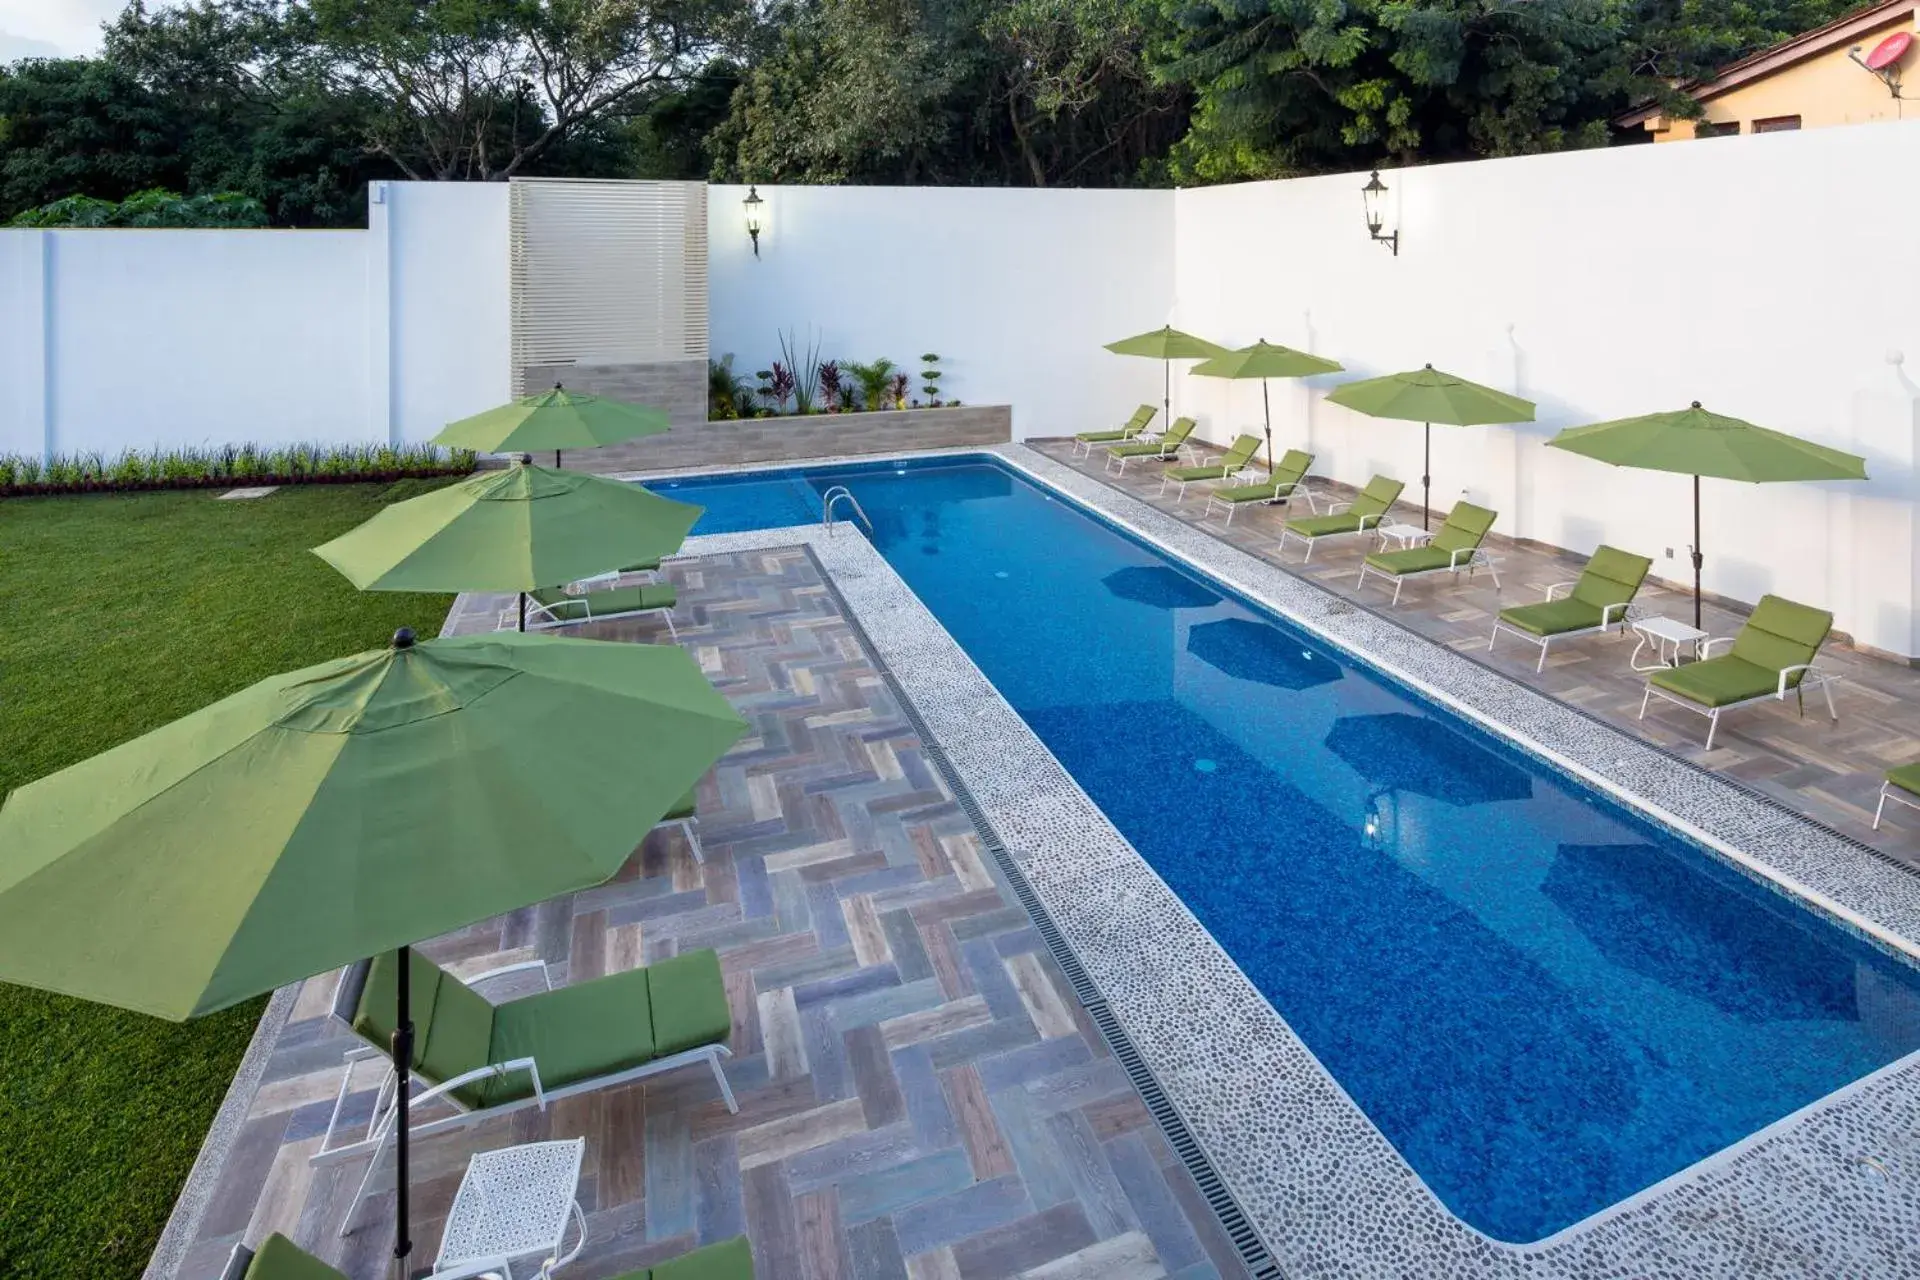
x: 514, y: 530
x: 343, y: 810
x: 1166, y: 344
x: 1693, y: 442
x: 557, y: 419
x: 1426, y: 395
x: 1264, y: 360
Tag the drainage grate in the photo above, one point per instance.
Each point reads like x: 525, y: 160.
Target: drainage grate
x: 1246, y: 1241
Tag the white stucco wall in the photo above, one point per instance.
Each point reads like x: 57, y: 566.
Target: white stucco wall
x: 1015, y: 289
x: 132, y: 339
x: 1768, y: 279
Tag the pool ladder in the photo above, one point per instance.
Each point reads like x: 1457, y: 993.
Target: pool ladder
x: 834, y: 495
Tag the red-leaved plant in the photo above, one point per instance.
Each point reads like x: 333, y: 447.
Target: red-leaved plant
x: 831, y: 389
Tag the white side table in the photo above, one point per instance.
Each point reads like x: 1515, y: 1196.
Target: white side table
x: 1407, y: 535
x: 514, y: 1203
x: 1666, y: 635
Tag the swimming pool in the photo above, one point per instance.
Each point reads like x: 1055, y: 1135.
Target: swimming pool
x: 1543, y: 1001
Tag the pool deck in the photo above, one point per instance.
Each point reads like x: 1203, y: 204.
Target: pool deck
x: 1831, y: 1190
x: 1829, y: 772
x: 921, y: 1097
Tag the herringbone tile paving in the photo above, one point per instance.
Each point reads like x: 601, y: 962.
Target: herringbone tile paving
x: 919, y: 1094
x: 1828, y: 771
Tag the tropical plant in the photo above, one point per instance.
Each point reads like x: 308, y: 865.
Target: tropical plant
x: 831, y: 388
x: 776, y: 385
x: 897, y: 388
x: 728, y: 394
x: 875, y: 379
x: 804, y: 364
x: 930, y: 378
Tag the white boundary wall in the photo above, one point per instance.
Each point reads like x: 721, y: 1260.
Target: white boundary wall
x: 1767, y: 277
x: 1014, y: 289
x: 1771, y: 278
x: 128, y: 339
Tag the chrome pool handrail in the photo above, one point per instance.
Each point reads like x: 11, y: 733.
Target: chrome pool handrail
x: 834, y: 495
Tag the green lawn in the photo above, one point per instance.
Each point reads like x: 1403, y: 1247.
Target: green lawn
x: 125, y: 612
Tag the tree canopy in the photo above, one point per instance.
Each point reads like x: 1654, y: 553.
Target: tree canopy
x: 296, y: 104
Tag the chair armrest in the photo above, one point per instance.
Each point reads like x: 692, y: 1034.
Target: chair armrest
x: 1605, y: 610
x: 487, y: 1072
x: 1790, y: 670
x: 1558, y: 586
x: 1706, y: 646
x: 1375, y: 519
x: 1453, y: 557
x: 522, y: 966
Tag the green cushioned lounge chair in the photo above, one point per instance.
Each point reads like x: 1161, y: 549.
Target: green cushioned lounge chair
x: 1902, y: 786
x: 483, y: 1060
x: 1283, y: 483
x: 1595, y: 603
x: 1364, y: 513
x: 1454, y: 546
x: 651, y: 568
x: 1772, y: 654
x: 1220, y: 466
x: 279, y: 1258
x: 1162, y: 449
x: 552, y: 607
x: 1084, y: 442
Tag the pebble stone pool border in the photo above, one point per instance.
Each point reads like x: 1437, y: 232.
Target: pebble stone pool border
x: 1831, y: 1190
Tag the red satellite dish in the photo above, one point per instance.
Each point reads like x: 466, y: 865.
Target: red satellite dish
x: 1889, y: 51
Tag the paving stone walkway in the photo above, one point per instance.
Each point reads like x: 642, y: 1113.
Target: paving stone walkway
x: 1829, y: 772
x: 920, y: 1096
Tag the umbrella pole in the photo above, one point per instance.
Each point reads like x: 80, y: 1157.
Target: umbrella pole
x: 1166, y: 393
x: 1695, y: 549
x: 403, y: 1076
x: 1426, y: 480
x: 556, y: 459
x: 523, y: 611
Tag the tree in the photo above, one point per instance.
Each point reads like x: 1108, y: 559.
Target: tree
x: 154, y: 208
x: 487, y: 88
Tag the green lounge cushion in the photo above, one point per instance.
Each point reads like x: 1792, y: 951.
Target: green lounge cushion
x: 279, y: 1258
x: 1134, y: 426
x: 1245, y: 492
x: 1717, y: 682
x: 1212, y: 471
x: 1553, y: 617
x: 1782, y: 634
x: 607, y: 602
x: 689, y: 1002
x: 1410, y: 560
x: 1232, y: 460
x: 1464, y: 529
x: 1906, y: 777
x: 727, y: 1260
x: 452, y: 1024
x: 1320, y: 526
x: 1612, y: 576
x: 1379, y: 495
x: 1168, y: 444
x: 574, y: 1033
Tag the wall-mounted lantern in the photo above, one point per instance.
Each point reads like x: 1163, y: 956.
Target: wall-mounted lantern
x: 1374, y: 196
x: 756, y: 211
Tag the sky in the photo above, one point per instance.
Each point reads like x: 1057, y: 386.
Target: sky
x: 52, y: 28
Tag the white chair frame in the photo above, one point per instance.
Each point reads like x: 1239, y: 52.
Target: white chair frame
x: 380, y: 1126
x: 1085, y: 448
x: 1809, y: 675
x: 541, y: 617
x: 1294, y: 489
x: 1607, y: 623
x: 1368, y: 524
x: 1181, y: 450
x: 1244, y: 469
x: 1467, y: 558
x: 687, y: 824
x: 1899, y: 795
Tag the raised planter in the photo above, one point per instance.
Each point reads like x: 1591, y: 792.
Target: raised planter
x: 793, y: 437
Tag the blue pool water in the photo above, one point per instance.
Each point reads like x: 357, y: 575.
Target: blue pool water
x: 1544, y: 1002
